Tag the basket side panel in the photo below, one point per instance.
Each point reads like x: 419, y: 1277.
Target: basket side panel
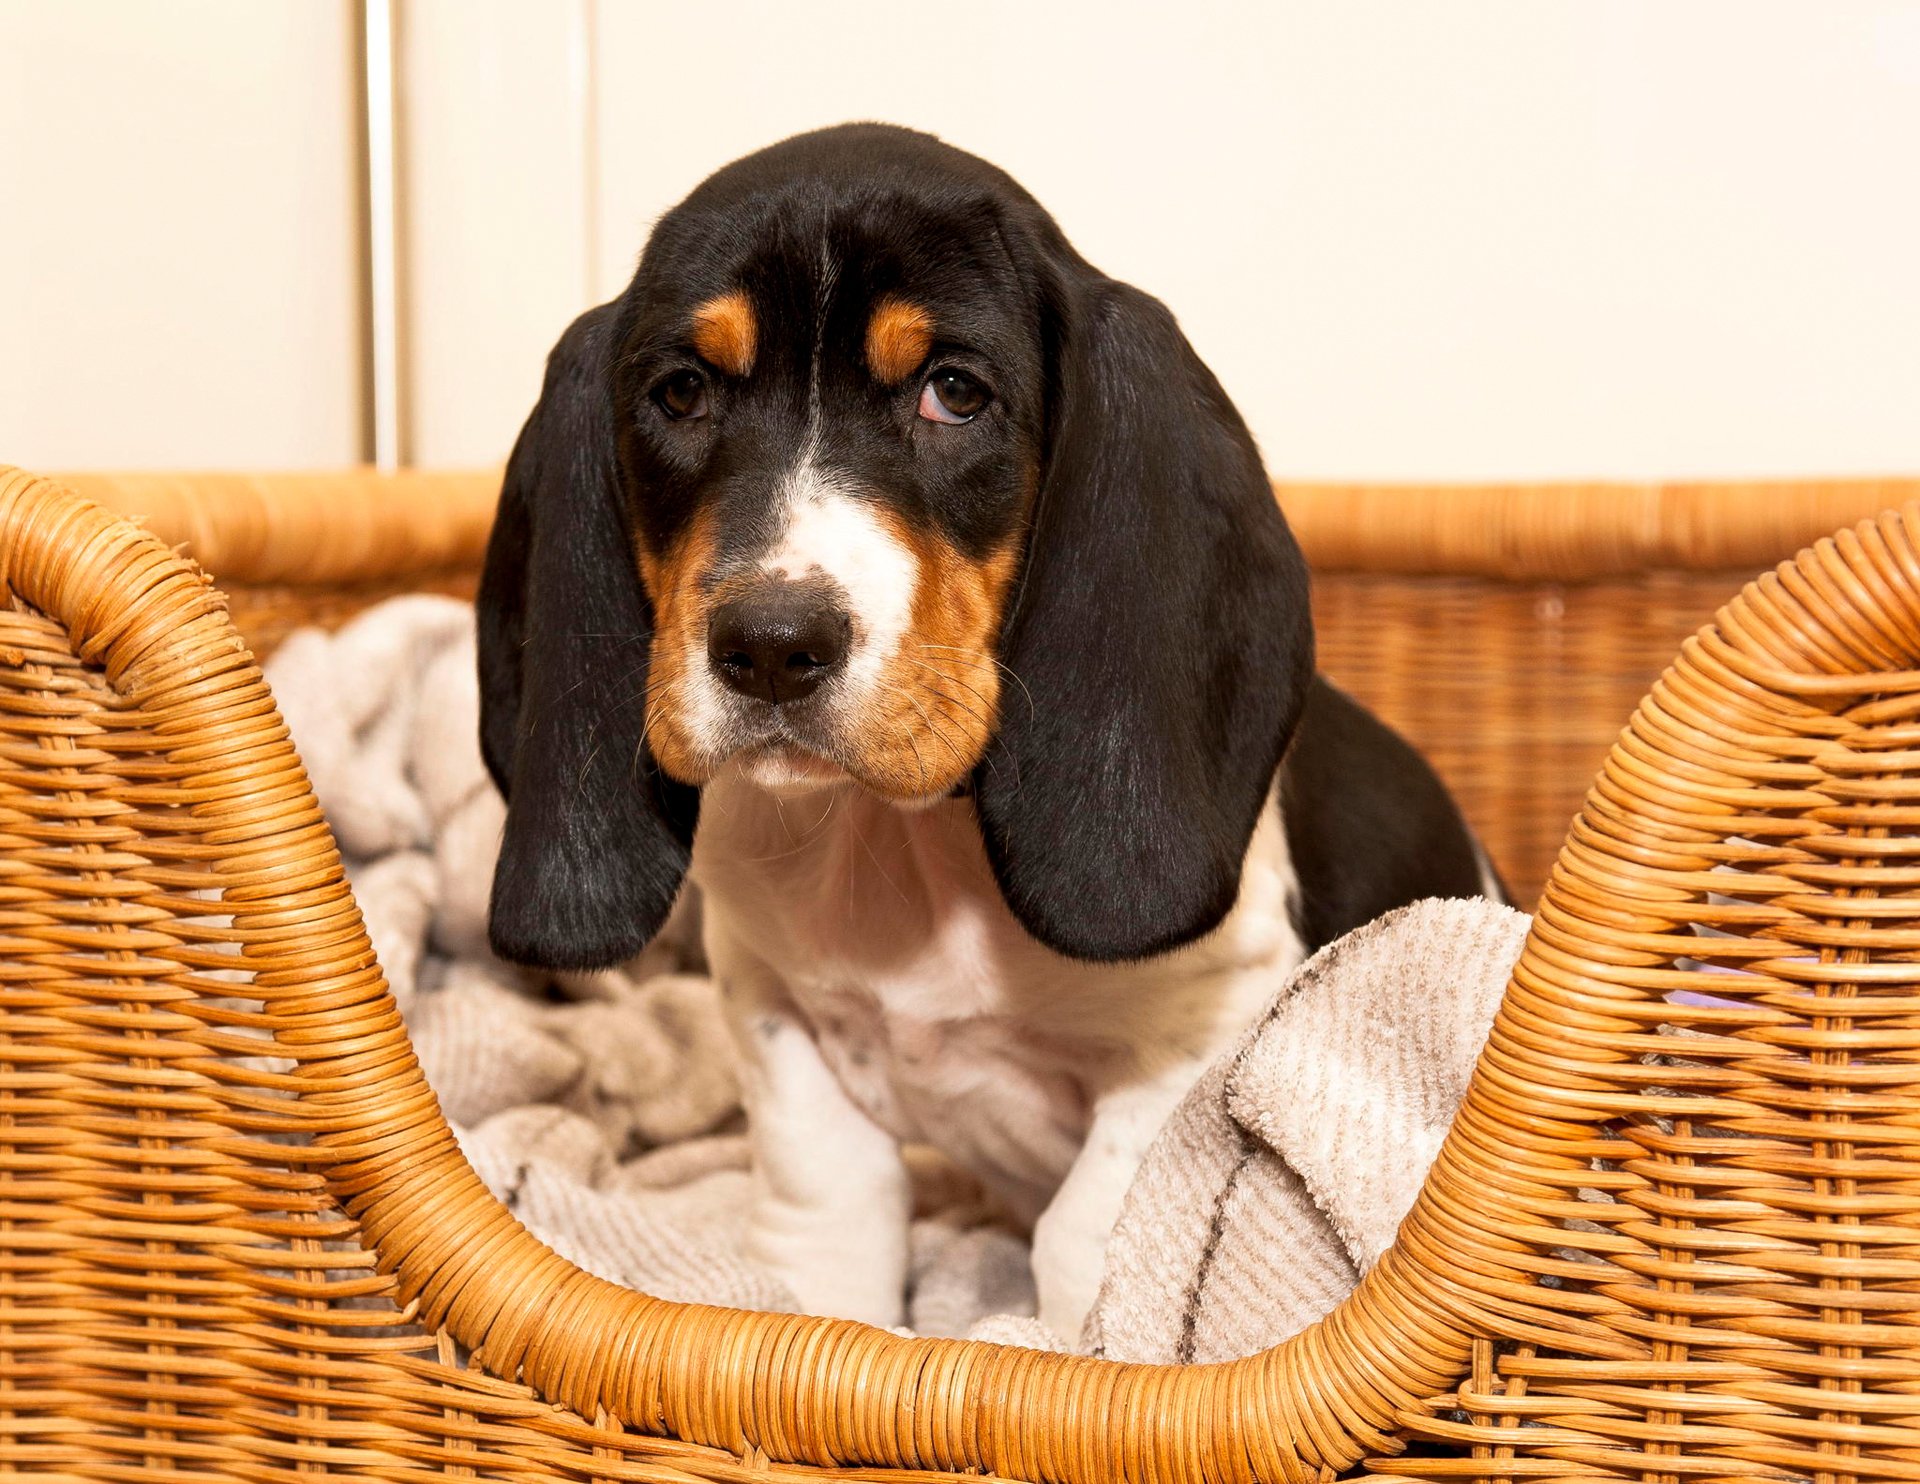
x: 1514, y: 690
x: 1681, y: 1202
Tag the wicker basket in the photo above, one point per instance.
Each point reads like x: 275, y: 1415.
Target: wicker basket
x: 1665, y: 1240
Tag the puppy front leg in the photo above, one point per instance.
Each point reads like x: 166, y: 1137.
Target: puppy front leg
x: 1070, y: 1238
x: 830, y: 1201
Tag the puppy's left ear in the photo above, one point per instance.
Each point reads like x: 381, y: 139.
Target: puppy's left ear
x: 1163, y: 643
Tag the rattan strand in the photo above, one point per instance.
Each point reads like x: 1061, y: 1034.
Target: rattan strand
x: 1575, y: 532
x: 1663, y: 1241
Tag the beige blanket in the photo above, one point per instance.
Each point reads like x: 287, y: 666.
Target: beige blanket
x: 603, y: 1108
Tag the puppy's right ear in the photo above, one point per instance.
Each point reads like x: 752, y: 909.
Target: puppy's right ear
x: 597, y: 838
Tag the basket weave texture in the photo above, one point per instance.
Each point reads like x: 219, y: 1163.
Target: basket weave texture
x: 1668, y: 1237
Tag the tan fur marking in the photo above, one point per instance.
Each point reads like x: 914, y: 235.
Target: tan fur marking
x: 930, y: 724
x: 676, y: 581
x: 934, y: 720
x: 898, y: 338
x: 725, y: 332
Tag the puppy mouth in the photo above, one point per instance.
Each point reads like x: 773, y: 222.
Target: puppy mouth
x: 790, y: 758
x: 811, y: 744
x: 787, y: 758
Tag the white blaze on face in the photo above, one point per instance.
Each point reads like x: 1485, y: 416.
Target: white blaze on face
x: 830, y: 532
x: 825, y: 532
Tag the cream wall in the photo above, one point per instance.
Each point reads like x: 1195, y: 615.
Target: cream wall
x: 498, y: 198
x: 179, y: 262
x: 1470, y: 239
x: 1480, y: 238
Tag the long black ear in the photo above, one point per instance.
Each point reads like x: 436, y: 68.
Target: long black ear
x: 1163, y: 643
x: 597, y: 839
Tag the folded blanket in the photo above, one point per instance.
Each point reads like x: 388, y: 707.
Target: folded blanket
x: 1285, y: 1173
x: 603, y: 1108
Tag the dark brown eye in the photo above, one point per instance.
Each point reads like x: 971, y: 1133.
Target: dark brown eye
x: 682, y: 395
x: 952, y: 396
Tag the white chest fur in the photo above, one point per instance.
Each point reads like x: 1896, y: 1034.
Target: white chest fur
x: 936, y: 1012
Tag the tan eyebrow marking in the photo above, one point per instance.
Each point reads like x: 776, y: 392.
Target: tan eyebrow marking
x: 898, y: 338
x: 725, y: 333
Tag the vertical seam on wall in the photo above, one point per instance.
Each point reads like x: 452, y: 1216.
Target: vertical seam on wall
x: 380, y: 139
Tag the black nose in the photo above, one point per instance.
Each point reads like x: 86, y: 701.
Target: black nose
x: 777, y: 644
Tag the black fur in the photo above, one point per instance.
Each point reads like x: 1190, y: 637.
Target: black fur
x: 1165, y: 642
x: 1158, y: 642
x: 596, y: 840
x: 1369, y: 824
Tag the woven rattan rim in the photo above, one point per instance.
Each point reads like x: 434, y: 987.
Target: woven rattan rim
x: 1787, y: 680
x: 361, y: 526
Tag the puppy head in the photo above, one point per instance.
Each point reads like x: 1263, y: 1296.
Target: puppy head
x: 897, y: 492
x: 832, y: 399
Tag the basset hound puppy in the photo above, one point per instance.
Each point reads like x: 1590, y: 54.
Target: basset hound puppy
x: 882, y: 567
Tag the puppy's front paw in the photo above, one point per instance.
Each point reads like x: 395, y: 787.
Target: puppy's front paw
x: 1068, y: 1257
x: 853, y: 1267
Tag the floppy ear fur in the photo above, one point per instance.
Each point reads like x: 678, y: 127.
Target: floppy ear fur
x: 597, y: 839
x: 1163, y: 641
